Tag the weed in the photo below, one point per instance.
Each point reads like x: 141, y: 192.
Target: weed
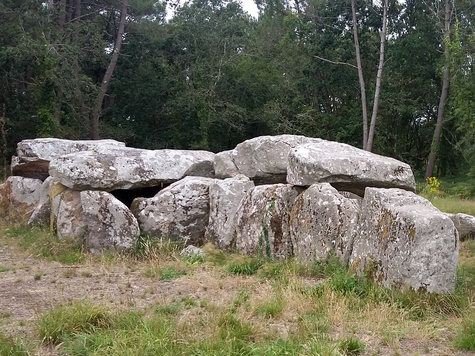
x: 12, y: 347
x: 70, y: 273
x: 6, y: 269
x: 465, y: 338
x: 53, y: 326
x: 271, y: 308
x: 170, y: 309
x: 167, y: 273
x: 86, y: 274
x: 246, y: 266
x: 37, y: 276
x: 5, y: 314
x: 352, y: 346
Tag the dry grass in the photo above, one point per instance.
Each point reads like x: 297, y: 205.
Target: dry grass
x: 283, y: 308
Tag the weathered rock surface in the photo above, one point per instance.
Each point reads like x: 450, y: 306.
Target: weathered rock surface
x: 225, y: 197
x: 263, y: 220
x: 224, y: 166
x: 67, y: 214
x: 129, y: 168
x: 263, y: 159
x: 323, y: 221
x: 403, y: 240
x: 95, y: 218
x: 346, y: 168
x: 33, y: 156
x: 465, y: 225
x: 18, y: 198
x: 50, y: 148
x: 190, y: 252
x: 110, y: 224
x: 42, y: 213
x: 30, y: 167
x: 178, y: 212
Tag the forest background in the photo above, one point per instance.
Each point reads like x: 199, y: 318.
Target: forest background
x: 212, y: 76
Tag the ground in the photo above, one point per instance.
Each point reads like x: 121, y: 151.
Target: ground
x: 31, y: 285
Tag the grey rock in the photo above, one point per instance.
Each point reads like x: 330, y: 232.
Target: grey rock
x: 465, y: 225
x: 33, y: 156
x: 224, y: 166
x: 178, y: 212
x: 322, y: 222
x: 263, y: 221
x: 128, y: 168
x: 225, y: 197
x: 49, y: 148
x: 346, y: 168
x: 403, y: 240
x: 95, y: 218
x: 42, y: 213
x: 110, y: 224
x: 29, y: 167
x: 67, y: 215
x: 263, y: 159
x: 18, y: 198
x: 190, y: 252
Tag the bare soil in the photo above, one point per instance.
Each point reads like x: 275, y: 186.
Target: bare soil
x: 30, y: 286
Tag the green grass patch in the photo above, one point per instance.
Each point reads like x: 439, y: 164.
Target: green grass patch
x: 64, y: 321
x: 12, y: 347
x: 271, y: 308
x: 244, y: 265
x: 6, y: 269
x: 465, y: 339
x: 165, y: 273
x: 352, y: 346
x: 42, y: 242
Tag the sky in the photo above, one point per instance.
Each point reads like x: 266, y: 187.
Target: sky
x: 250, y: 7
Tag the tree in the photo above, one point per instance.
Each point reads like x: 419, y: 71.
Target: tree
x: 110, y: 70
x: 444, y: 93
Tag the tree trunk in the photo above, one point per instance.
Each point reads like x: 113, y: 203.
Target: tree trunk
x: 443, y: 97
x: 3, y: 136
x: 369, y: 143
x: 109, y: 71
x: 360, y: 75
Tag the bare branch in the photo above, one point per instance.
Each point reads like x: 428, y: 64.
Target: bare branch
x: 333, y: 62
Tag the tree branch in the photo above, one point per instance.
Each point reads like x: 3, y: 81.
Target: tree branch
x: 333, y: 62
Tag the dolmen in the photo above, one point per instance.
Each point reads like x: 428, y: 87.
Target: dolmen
x: 280, y: 197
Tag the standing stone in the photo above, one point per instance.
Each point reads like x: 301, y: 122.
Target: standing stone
x: 178, y: 212
x: 42, y: 213
x: 110, y: 224
x: 403, y: 240
x: 225, y: 197
x: 346, y: 168
x: 263, y: 220
x: 465, y: 225
x: 67, y: 214
x: 18, y: 198
x: 129, y: 168
x: 323, y: 221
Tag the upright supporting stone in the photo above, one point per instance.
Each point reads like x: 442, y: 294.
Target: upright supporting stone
x: 323, y: 221
x: 403, y: 240
x: 263, y: 220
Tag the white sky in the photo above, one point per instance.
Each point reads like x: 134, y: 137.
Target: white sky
x: 250, y: 7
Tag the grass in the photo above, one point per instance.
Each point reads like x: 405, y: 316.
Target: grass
x: 229, y: 304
